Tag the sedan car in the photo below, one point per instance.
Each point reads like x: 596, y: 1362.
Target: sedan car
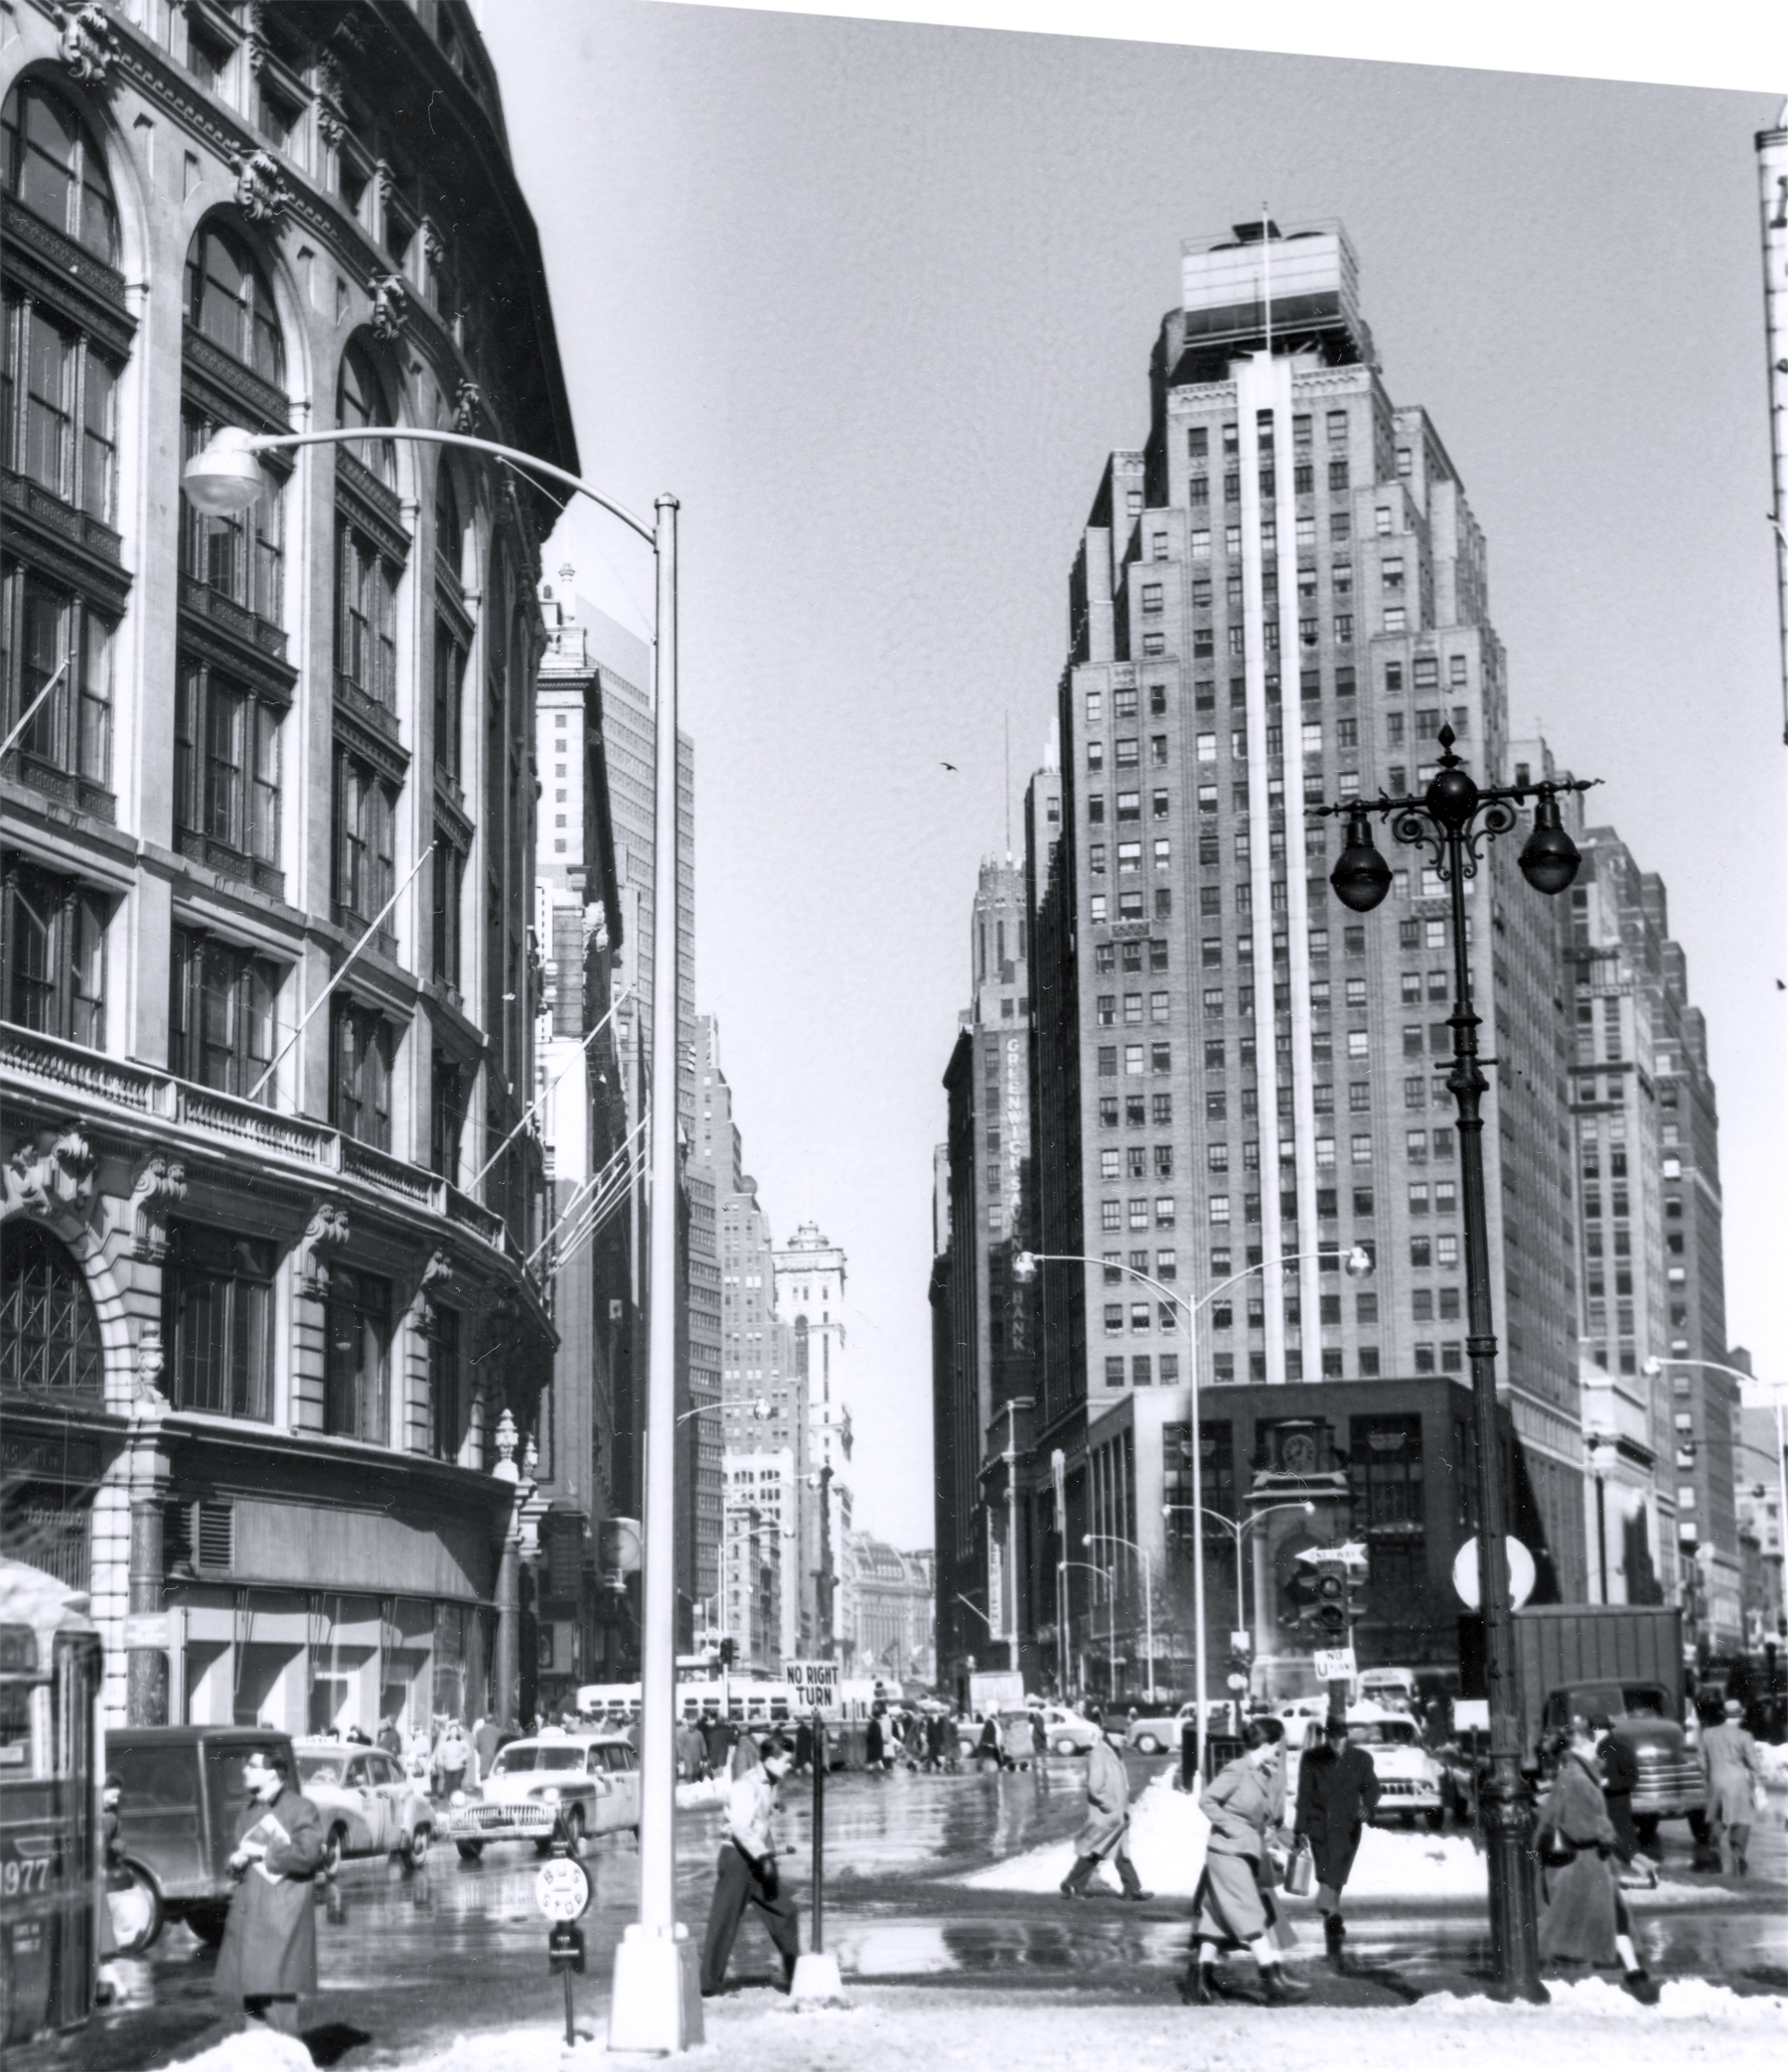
x: 369, y: 1806
x: 1155, y: 1734
x: 593, y: 1780
x: 1410, y: 1781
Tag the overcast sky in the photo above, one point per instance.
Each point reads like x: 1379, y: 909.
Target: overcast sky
x: 876, y: 301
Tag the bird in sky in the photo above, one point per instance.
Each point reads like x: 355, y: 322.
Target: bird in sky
x: 948, y: 766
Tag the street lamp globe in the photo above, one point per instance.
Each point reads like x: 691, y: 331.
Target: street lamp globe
x: 1360, y: 1263
x: 224, y: 478
x: 1548, y: 860
x: 1024, y: 1265
x: 1361, y: 876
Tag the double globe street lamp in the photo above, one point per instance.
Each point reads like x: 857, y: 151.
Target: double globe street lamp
x: 656, y: 2004
x: 1358, y: 1262
x: 1451, y: 822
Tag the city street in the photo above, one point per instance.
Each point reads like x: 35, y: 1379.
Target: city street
x: 410, y: 1961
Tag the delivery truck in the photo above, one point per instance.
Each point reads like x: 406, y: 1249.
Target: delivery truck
x: 1621, y: 1667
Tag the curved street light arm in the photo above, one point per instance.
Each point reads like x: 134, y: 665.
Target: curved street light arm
x: 276, y: 442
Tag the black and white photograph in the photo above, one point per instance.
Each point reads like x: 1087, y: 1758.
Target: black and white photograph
x: 893, y: 1037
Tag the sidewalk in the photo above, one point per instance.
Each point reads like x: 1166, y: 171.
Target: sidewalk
x: 892, y: 2029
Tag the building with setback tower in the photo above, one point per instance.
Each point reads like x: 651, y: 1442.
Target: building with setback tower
x: 1279, y: 599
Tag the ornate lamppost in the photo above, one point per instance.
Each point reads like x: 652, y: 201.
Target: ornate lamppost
x: 1451, y: 822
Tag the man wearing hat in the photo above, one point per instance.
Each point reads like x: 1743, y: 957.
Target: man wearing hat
x: 1733, y: 1774
x: 1337, y: 1789
x: 1106, y: 1829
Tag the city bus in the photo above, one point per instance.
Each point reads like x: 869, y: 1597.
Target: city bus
x: 51, y: 1665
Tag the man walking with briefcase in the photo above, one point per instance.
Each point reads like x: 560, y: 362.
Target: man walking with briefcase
x: 1337, y: 1789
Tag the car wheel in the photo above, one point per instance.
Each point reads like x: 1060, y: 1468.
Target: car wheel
x: 1062, y: 1745
x: 333, y: 1848
x: 137, y: 1913
x: 574, y: 1828
x: 1148, y: 1744
x: 415, y: 1849
x: 208, y: 1923
x: 470, y: 1851
x: 1436, y: 1820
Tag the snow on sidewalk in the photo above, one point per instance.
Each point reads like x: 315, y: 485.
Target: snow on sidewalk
x: 893, y: 2029
x: 1167, y: 1845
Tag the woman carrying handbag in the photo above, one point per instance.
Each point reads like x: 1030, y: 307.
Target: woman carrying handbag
x: 1583, y: 1920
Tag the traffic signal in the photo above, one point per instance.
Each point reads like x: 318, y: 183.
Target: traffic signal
x: 1356, y: 1597
x: 1331, y: 1599
x: 729, y: 1652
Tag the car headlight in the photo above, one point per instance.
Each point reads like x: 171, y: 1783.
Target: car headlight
x: 550, y: 1795
x: 457, y: 1799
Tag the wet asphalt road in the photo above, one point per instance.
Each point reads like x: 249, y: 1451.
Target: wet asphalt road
x: 410, y: 1958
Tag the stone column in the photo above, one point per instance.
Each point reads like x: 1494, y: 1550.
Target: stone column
x: 146, y: 1639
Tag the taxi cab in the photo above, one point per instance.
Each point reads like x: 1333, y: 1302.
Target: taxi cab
x: 591, y: 1779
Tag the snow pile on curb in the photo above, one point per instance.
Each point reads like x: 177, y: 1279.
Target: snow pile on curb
x: 1679, y: 2000
x: 1772, y: 1758
x: 1167, y: 1844
x: 252, y: 2050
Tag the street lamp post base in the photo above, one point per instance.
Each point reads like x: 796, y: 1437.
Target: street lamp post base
x: 816, y: 1982
x: 656, y: 2006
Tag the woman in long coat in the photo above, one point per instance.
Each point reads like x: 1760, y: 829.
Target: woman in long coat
x: 1583, y: 1919
x: 269, y: 1951
x: 1232, y: 1909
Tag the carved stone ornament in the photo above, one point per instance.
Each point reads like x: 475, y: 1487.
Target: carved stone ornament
x: 390, y: 296
x: 56, y: 1183
x: 326, y: 1233
x: 468, y: 409
x: 159, y: 1189
x: 89, y: 44
x: 506, y: 1469
x: 151, y: 1365
x: 261, y: 191
x: 437, y: 1275
x: 434, y: 246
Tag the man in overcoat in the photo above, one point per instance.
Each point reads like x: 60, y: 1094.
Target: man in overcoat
x: 269, y: 1951
x: 1337, y: 1790
x: 1107, y: 1826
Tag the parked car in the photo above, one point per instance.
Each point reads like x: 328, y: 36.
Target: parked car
x: 593, y: 1779
x: 1159, y: 1733
x: 181, y: 1796
x: 370, y: 1804
x: 1411, y: 1780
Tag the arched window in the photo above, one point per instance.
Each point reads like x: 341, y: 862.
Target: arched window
x: 360, y: 400
x: 50, y: 162
x: 49, y: 1335
x: 229, y: 301
x: 65, y: 335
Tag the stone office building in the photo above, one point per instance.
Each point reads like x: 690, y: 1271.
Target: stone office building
x: 270, y: 1348
x: 1280, y: 598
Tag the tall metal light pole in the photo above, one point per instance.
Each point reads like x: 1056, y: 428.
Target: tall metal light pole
x: 1451, y: 822
x: 657, y: 2004
x: 1024, y: 1266
x: 1111, y: 1583
x: 1118, y: 1539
